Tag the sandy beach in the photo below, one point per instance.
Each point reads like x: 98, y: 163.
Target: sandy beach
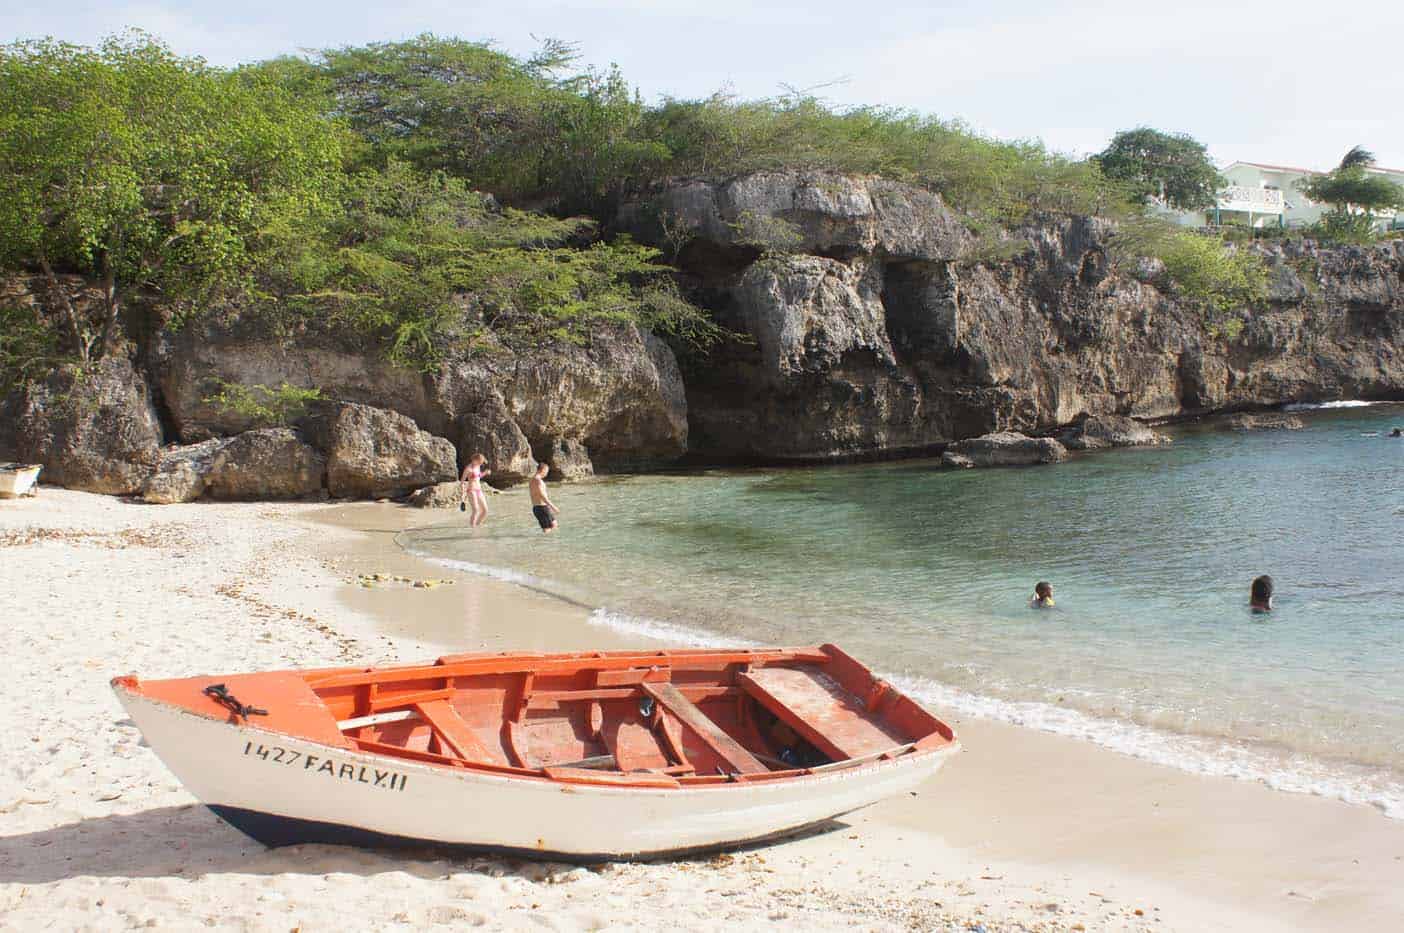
x: 1023, y: 831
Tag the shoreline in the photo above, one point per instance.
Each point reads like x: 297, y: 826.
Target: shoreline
x: 1023, y: 831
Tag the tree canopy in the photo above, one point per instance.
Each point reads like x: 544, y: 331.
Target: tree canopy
x: 1171, y: 167
x: 144, y: 170
x: 1355, y: 194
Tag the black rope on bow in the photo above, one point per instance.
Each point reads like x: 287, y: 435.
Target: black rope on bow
x: 226, y: 699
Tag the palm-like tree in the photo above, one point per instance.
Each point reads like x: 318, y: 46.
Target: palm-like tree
x: 1358, y: 156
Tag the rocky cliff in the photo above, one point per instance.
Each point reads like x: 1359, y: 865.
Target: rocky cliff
x: 866, y: 323
x: 873, y: 330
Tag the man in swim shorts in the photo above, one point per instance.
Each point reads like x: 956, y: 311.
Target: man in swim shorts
x: 541, y: 505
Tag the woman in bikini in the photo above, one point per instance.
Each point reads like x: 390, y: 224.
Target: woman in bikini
x: 471, y: 486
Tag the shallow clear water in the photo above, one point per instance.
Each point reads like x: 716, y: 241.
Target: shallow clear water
x: 926, y: 575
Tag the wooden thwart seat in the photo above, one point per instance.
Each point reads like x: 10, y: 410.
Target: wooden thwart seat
x: 819, y: 710
x: 454, y: 732
x: 727, y: 749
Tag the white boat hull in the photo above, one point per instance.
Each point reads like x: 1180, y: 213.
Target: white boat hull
x: 282, y: 790
x: 17, y: 481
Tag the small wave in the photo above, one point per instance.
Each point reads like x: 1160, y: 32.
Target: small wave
x: 1195, y: 754
x: 505, y: 574
x: 662, y: 631
x: 1323, y: 406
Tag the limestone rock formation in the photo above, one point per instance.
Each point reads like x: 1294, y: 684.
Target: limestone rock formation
x: 823, y: 213
x: 622, y: 395
x: 875, y: 331
x: 569, y: 461
x: 180, y: 473
x: 194, y: 364
x: 93, y: 429
x: 438, y: 496
x: 1092, y: 432
x: 373, y: 453
x: 270, y: 463
x: 1004, y: 448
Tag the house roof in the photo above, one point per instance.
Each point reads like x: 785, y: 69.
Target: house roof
x: 1305, y: 171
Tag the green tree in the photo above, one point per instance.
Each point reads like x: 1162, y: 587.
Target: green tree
x: 1355, y: 194
x: 147, y: 171
x: 1171, y: 167
x: 423, y: 267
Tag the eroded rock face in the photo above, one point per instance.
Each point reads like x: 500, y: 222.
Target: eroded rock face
x: 1094, y: 432
x: 194, y: 364
x: 825, y: 213
x: 1005, y: 448
x: 93, y: 429
x: 374, y: 453
x: 569, y: 460
x: 622, y: 395
x: 180, y: 473
x: 438, y: 496
x: 490, y: 430
x: 886, y: 339
x: 270, y: 463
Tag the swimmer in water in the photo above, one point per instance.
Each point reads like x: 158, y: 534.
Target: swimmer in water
x: 1260, y: 594
x: 1043, y: 595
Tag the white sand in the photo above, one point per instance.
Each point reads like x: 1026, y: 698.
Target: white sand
x: 95, y: 833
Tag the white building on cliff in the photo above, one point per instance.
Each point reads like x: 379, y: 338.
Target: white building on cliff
x: 1263, y: 195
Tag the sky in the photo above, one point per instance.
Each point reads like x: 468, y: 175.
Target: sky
x: 1284, y: 82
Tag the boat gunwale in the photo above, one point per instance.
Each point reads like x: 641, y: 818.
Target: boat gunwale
x: 509, y: 776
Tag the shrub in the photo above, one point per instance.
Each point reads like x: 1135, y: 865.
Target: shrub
x: 265, y: 407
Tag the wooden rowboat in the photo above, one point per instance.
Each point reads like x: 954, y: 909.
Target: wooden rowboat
x: 17, y: 479
x: 584, y: 757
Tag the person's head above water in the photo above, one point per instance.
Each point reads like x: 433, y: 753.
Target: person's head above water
x: 1043, y: 593
x: 1260, y: 594
x: 1397, y: 432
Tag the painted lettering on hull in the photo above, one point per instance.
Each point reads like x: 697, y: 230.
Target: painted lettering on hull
x: 317, y: 764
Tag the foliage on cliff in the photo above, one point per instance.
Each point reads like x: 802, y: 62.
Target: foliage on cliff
x: 207, y: 188
x: 420, y: 265
x: 140, y: 169
x: 339, y: 191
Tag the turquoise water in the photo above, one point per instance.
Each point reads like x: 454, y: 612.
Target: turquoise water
x: 926, y: 575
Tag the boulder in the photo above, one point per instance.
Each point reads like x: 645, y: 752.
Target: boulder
x: 569, y: 460
x: 92, y: 428
x: 1004, y: 448
x: 438, y: 496
x: 1092, y: 432
x: 490, y: 430
x: 180, y: 473
x: 1261, y: 422
x: 372, y: 453
x: 621, y: 395
x: 270, y: 463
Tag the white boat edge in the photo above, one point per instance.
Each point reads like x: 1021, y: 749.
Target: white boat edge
x: 346, y: 797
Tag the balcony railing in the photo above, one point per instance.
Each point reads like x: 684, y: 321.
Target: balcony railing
x: 1247, y: 198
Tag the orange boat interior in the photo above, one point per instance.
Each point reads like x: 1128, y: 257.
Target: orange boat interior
x: 639, y: 719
